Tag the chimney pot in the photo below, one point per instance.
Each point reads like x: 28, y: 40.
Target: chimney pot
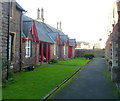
x: 38, y: 13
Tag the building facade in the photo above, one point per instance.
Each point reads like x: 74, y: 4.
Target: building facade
x: 113, y: 43
x: 4, y: 38
x: 11, y: 31
x: 15, y: 31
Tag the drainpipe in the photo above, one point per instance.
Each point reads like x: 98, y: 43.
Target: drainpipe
x: 8, y: 39
x: 21, y: 40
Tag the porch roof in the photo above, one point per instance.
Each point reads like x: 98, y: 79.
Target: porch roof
x: 53, y: 36
x: 64, y: 39
x: 72, y: 42
x: 27, y: 23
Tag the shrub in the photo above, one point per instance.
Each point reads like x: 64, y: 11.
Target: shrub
x: 5, y: 82
x: 89, y: 56
x: 52, y: 61
x: 10, y: 74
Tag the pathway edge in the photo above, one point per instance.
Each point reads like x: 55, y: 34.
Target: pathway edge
x: 51, y: 92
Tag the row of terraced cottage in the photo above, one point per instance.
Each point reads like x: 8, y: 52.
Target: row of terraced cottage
x: 26, y: 41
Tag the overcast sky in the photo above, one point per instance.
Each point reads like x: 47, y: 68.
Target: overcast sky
x: 85, y: 20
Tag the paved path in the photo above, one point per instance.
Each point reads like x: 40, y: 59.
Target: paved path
x: 88, y: 84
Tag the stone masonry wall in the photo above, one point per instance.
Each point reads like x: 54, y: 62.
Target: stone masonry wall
x: 27, y: 61
x: 0, y: 43
x: 4, y: 36
x: 82, y: 52
x: 15, y: 28
x: 52, y: 51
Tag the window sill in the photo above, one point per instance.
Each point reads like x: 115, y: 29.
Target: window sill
x: 27, y: 56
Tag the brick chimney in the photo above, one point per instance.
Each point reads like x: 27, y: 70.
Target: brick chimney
x: 59, y: 25
x: 40, y: 15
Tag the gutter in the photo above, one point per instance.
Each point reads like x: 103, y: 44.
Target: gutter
x: 21, y: 40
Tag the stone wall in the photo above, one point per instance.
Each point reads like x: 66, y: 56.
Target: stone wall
x: 0, y: 45
x: 15, y: 26
x: 82, y: 52
x: 33, y: 59
x: 73, y: 51
x: 4, y: 37
x: 14, y: 29
x: 66, y: 52
x: 52, y: 56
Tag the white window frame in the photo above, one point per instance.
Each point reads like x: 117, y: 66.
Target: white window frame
x: 12, y: 40
x: 28, y: 47
x: 64, y: 50
x: 54, y: 49
x: 10, y: 47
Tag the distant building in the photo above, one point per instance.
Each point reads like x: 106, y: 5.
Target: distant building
x: 84, y: 45
x: 97, y: 46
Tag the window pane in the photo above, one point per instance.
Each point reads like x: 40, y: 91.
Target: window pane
x: 28, y: 48
x: 26, y: 43
x: 29, y: 43
x: 28, y: 52
x: 64, y: 50
x: 10, y: 46
x: 54, y: 49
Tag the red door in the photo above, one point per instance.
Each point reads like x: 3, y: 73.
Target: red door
x: 70, y: 52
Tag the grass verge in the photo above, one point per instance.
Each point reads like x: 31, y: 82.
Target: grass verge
x: 77, y: 61
x: 36, y: 84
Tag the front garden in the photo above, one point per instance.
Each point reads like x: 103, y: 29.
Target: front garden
x: 39, y: 82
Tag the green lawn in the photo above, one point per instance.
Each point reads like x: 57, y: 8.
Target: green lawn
x: 0, y: 94
x: 77, y: 61
x: 36, y: 84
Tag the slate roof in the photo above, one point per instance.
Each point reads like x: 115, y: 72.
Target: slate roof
x: 53, y: 33
x: 72, y: 42
x: 64, y: 38
x: 54, y: 30
x: 42, y: 32
x: 19, y: 7
x: 53, y: 36
x: 27, y: 23
x: 45, y: 32
x: 41, y: 29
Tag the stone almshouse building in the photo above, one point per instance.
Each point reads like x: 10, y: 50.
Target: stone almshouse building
x: 113, y: 42
x: 11, y: 29
x: 24, y: 41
